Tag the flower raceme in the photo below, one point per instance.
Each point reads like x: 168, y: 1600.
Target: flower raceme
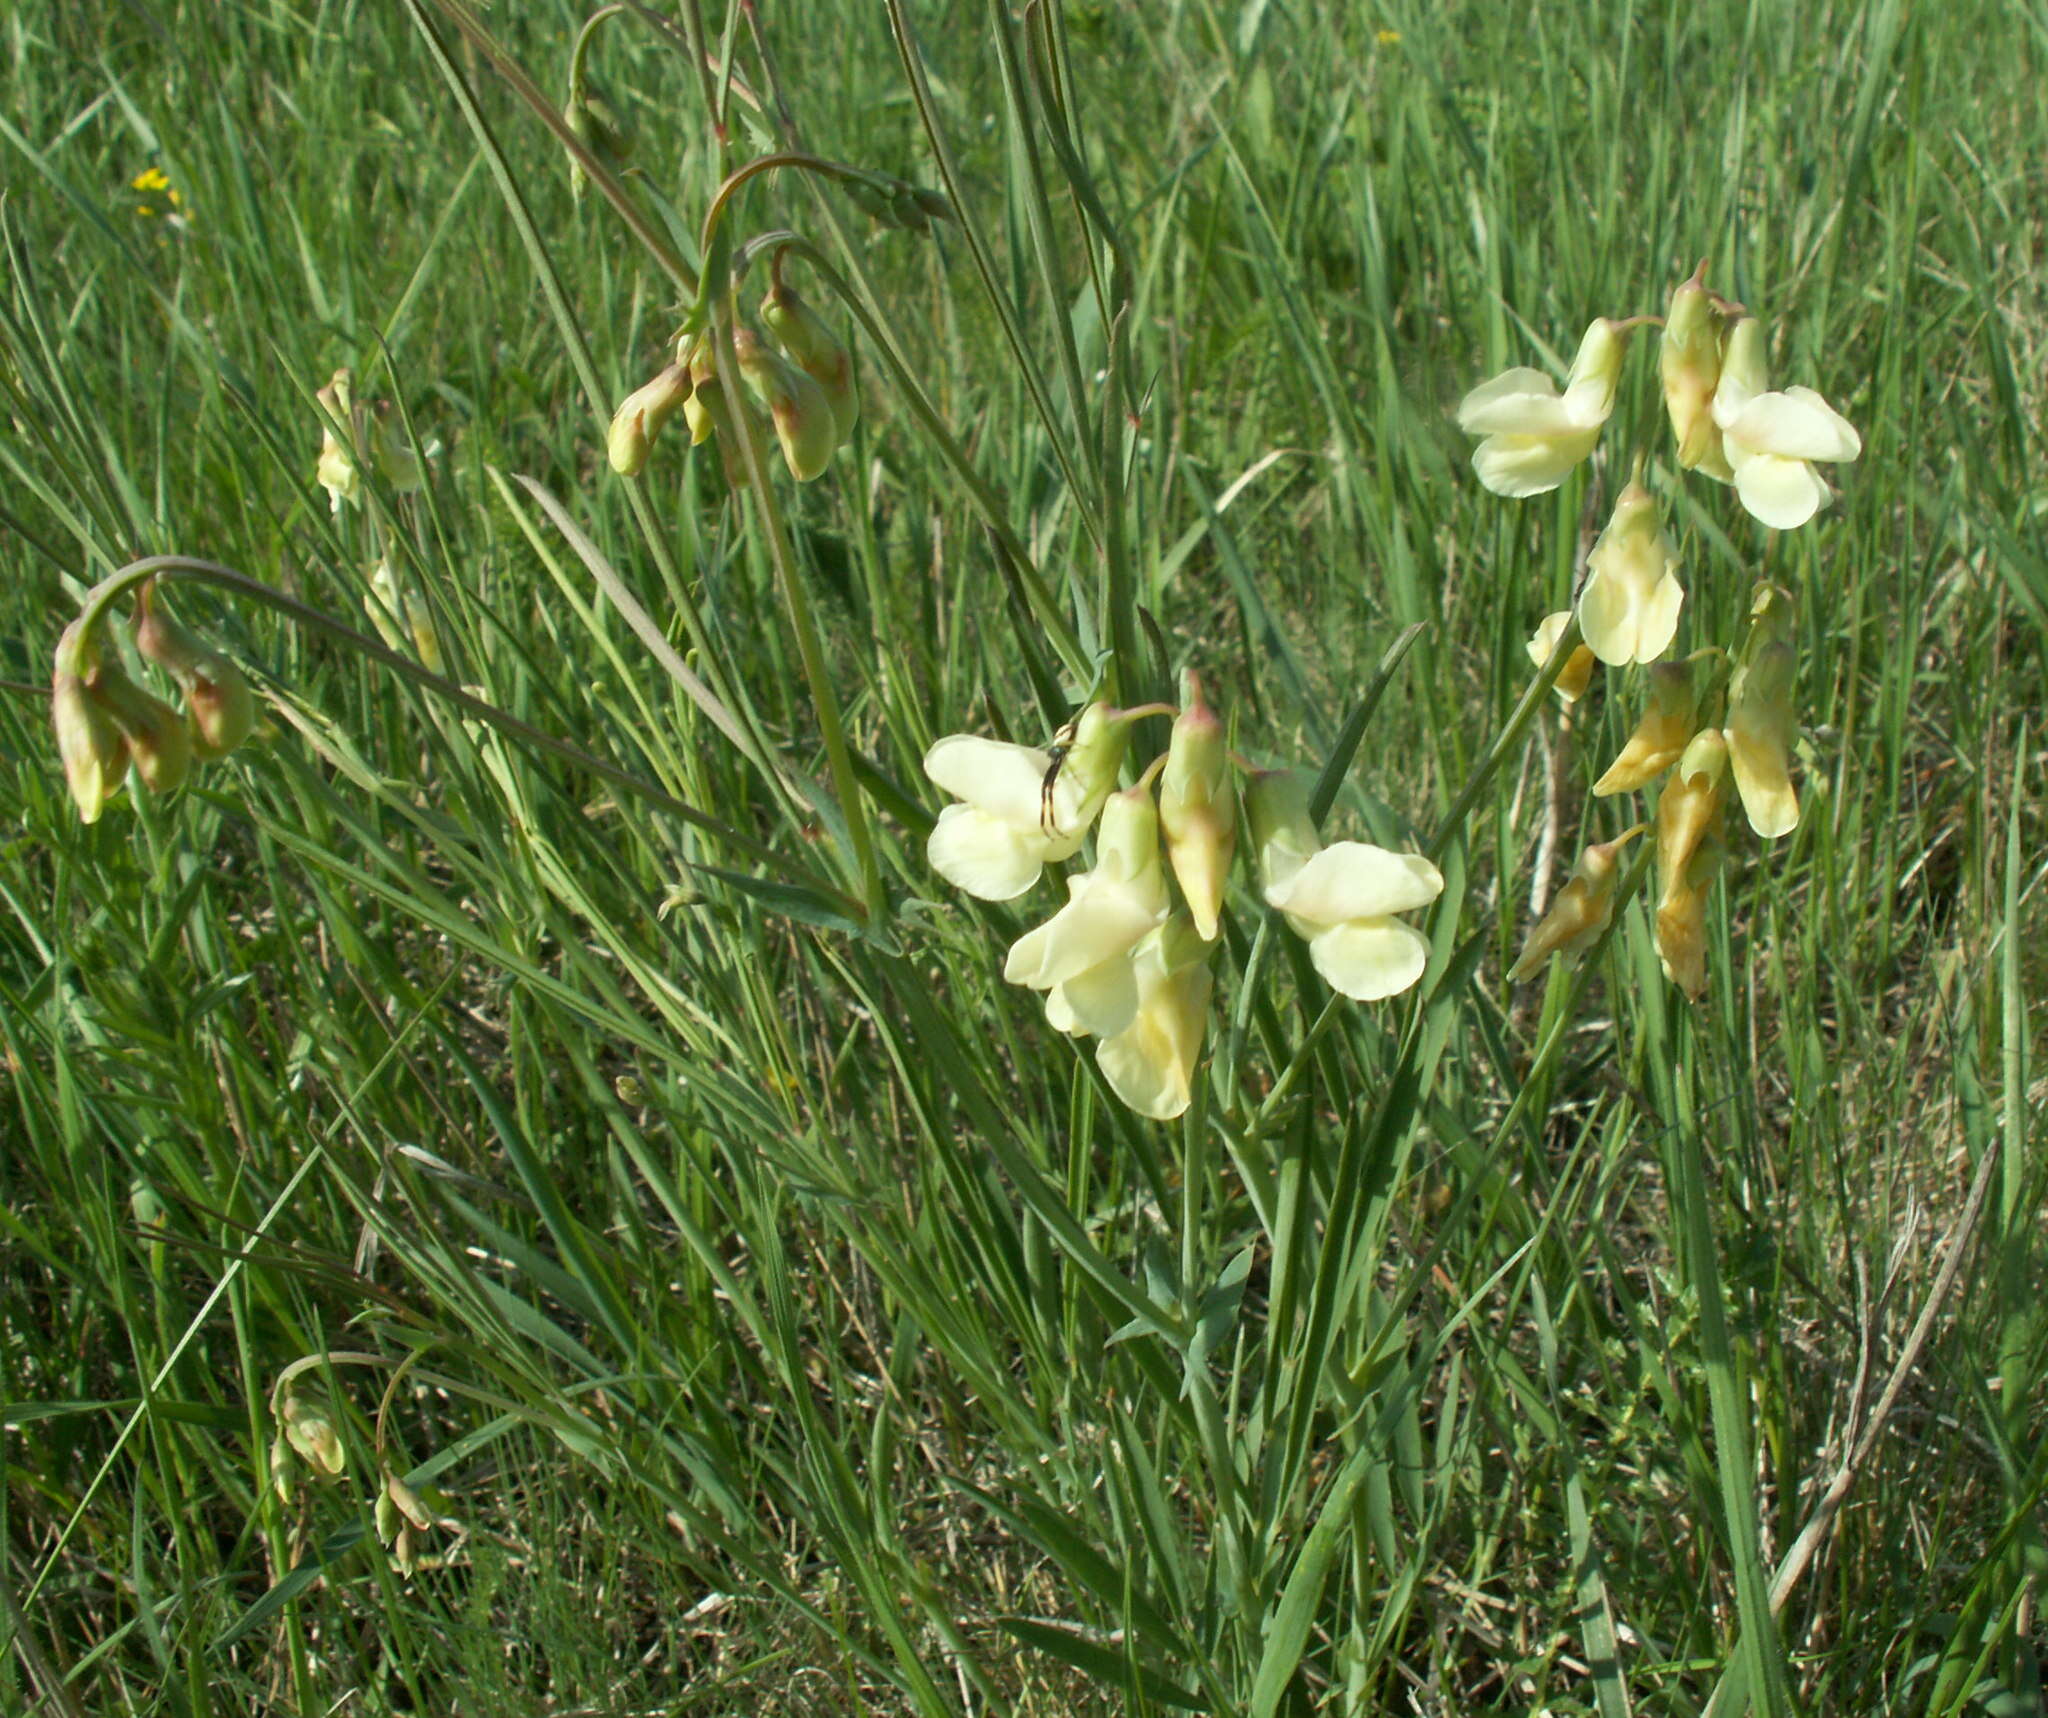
x: 1342, y: 897
x: 1084, y: 956
x: 1008, y: 824
x: 1534, y: 435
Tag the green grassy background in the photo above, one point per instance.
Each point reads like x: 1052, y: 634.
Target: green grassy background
x: 794, y: 1323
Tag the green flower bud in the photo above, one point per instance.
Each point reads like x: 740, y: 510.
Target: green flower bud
x: 94, y: 757
x: 158, y: 739
x: 640, y: 416
x: 312, y: 1436
x: 1197, y: 810
x: 808, y: 339
x: 801, y: 413
x: 217, y: 697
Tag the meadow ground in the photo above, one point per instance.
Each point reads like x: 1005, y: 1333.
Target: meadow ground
x: 546, y: 1203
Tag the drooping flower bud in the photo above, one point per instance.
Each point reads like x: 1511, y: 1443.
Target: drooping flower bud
x: 390, y: 604
x: 1628, y: 609
x: 158, y: 739
x: 312, y: 1435
x: 1577, y: 674
x: 1681, y: 920
x: 1284, y: 836
x: 1689, y: 363
x: 218, y: 701
x: 1198, y: 811
x: 802, y: 414
x: 336, y: 471
x: 1582, y: 910
x: 1688, y: 807
x: 809, y: 340
x: 1660, y: 736
x: 640, y: 416
x: 95, y: 759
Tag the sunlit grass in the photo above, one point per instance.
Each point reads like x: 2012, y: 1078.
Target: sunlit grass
x: 776, y: 1314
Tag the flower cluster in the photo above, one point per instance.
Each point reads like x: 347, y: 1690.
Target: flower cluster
x: 105, y: 722
x: 1119, y: 962
x: 804, y: 381
x: 1733, y: 428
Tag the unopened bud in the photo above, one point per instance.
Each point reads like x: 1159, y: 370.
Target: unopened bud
x: 1660, y: 736
x: 1688, y: 808
x: 640, y: 416
x: 1284, y: 837
x: 1583, y: 908
x: 94, y: 757
x: 802, y: 415
x: 593, y: 123
x: 397, y: 464
x: 810, y: 342
x: 1689, y: 364
x: 217, y: 696
x: 158, y: 738
x: 312, y: 1436
x: 1197, y: 810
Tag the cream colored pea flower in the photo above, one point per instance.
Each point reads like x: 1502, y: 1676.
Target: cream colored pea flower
x: 1342, y: 898
x: 1577, y: 673
x: 1083, y: 957
x: 1150, y: 1064
x: 1533, y: 434
x: 1772, y: 439
x: 1008, y: 826
x: 1628, y: 609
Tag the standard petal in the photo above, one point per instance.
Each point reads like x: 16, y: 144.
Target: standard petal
x: 1504, y: 402
x: 1103, y: 1000
x: 1518, y: 466
x: 1367, y: 959
x: 1004, y: 780
x: 1355, y: 880
x: 1098, y: 924
x: 988, y: 858
x: 1798, y: 424
x: 1150, y: 1064
x: 1845, y: 431
x: 1782, y: 493
x: 1622, y: 625
x: 1759, y: 759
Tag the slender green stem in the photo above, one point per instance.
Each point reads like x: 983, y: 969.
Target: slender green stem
x: 189, y: 569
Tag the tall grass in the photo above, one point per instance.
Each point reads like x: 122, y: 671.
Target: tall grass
x: 563, y: 1073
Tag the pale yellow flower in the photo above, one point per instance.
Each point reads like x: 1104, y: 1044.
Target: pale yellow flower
x: 1342, y: 898
x: 1628, y: 609
x: 1689, y: 365
x: 1008, y: 825
x: 1150, y: 1064
x: 1534, y: 435
x: 1772, y: 439
x: 1083, y: 957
